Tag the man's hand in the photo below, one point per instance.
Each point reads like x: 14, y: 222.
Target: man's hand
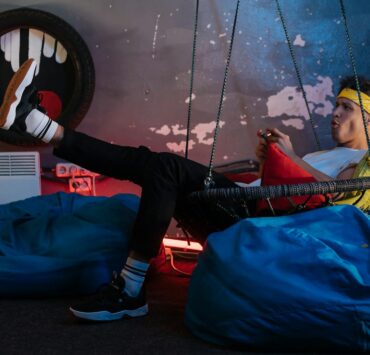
x: 282, y: 141
x: 261, y: 149
x: 279, y: 138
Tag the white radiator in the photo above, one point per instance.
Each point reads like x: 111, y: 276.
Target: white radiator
x: 19, y: 176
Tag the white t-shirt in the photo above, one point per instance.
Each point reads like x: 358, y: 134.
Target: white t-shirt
x: 330, y: 162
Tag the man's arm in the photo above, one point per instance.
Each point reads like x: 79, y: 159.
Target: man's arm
x: 283, y: 142
x: 347, y: 173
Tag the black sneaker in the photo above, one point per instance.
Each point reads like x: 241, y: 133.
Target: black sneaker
x: 30, y: 100
x: 110, y: 303
x: 17, y: 92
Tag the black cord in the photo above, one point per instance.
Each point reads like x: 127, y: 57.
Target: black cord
x: 353, y: 63
x: 208, y: 182
x: 291, y: 51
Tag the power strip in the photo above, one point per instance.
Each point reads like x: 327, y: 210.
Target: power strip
x: 66, y: 170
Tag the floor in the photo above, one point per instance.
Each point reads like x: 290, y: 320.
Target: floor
x: 45, y: 326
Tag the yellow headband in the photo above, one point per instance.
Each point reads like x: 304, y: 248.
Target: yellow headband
x: 353, y: 96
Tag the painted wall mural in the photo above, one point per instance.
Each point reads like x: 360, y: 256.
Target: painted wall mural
x: 142, y: 55
x: 264, y: 90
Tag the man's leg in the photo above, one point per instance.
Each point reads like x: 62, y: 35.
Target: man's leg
x: 125, y: 295
x: 120, y: 162
x: 164, y: 178
x: 20, y: 111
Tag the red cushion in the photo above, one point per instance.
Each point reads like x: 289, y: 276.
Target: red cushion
x: 279, y: 169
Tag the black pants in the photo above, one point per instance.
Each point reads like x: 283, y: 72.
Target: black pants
x: 166, y: 180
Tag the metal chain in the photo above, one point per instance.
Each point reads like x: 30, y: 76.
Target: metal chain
x: 192, y: 79
x: 298, y: 73
x: 209, y: 180
x: 353, y: 63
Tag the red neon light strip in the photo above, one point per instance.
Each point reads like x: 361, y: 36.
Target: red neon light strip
x: 181, y: 244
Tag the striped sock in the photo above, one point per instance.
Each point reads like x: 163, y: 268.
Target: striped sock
x: 134, y: 273
x: 40, y: 126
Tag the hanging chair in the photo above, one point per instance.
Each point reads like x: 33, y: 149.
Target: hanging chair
x: 214, y: 209
x: 297, y: 282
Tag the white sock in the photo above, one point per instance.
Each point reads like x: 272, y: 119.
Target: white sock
x: 40, y: 126
x: 134, y: 273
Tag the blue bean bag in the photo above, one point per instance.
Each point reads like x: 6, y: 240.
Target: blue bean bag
x: 63, y: 244
x: 292, y: 283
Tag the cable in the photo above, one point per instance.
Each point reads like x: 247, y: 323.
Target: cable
x: 169, y: 253
x: 186, y: 254
x: 93, y: 186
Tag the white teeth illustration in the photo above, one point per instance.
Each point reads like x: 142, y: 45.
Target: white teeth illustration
x: 35, y: 39
x: 49, y: 45
x: 61, y: 54
x: 10, y: 46
x: 39, y: 43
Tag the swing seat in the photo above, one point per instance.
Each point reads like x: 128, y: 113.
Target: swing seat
x: 286, y: 284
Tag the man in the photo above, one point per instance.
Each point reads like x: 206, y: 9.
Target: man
x: 166, y: 179
x: 347, y: 129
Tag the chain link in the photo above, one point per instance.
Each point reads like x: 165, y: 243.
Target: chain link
x: 209, y: 177
x: 353, y: 63
x: 298, y: 74
x: 192, y: 78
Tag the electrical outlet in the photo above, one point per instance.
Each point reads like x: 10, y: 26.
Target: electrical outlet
x: 81, y: 185
x: 72, y: 170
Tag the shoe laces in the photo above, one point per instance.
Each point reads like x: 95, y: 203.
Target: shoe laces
x: 114, y: 287
x: 117, y: 281
x: 35, y: 99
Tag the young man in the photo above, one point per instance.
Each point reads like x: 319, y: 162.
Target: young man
x: 347, y: 129
x: 166, y: 179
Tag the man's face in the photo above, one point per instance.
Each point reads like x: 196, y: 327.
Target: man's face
x: 347, y: 127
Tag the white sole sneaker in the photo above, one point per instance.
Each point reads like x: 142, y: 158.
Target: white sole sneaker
x: 109, y: 316
x: 21, y: 79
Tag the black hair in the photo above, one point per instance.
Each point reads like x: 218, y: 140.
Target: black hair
x: 349, y: 82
